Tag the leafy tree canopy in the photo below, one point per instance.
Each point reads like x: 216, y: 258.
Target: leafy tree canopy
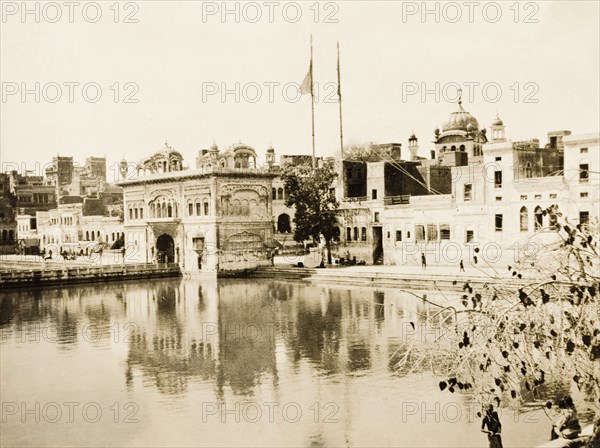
x: 311, y: 192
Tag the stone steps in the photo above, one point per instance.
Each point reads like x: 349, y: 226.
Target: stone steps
x: 371, y: 277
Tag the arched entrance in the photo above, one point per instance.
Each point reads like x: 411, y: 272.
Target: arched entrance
x: 165, y: 248
x: 283, y: 223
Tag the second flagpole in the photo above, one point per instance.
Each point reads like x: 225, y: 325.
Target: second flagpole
x: 340, y: 100
x: 312, y: 102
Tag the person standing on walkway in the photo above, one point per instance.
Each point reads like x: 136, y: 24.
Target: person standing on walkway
x: 423, y: 261
x: 462, y: 266
x: 494, y: 427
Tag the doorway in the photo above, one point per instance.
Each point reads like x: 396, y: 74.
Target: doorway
x: 377, y: 245
x: 165, y: 248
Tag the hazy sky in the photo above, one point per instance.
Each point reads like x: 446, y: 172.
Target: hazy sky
x: 178, y: 50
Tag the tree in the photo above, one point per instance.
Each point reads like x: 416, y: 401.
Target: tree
x: 527, y: 334
x: 365, y: 153
x: 310, y: 191
x: 514, y: 337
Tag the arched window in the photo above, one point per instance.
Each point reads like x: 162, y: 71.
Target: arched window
x: 87, y: 235
x: 538, y: 218
x: 280, y: 193
x: 453, y: 148
x: 190, y: 208
x: 356, y: 234
x: 206, y: 206
x: 348, y: 234
x: 363, y: 234
x: 528, y: 170
x: 462, y: 147
x: 98, y: 235
x: 136, y: 213
x: 273, y: 193
x: 141, y: 212
x: 170, y: 211
x: 11, y: 235
x: 524, y: 219
x: 198, y: 208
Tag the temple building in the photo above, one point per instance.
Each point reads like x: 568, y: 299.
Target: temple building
x: 473, y: 195
x: 216, y: 218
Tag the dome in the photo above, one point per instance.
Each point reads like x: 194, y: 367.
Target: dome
x: 497, y: 121
x: 167, y: 151
x: 460, y: 120
x: 240, y: 145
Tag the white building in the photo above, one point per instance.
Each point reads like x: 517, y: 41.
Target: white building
x: 493, y: 207
x: 217, y: 217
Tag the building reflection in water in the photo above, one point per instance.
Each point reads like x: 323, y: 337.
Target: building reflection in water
x: 175, y: 344
x: 235, y: 333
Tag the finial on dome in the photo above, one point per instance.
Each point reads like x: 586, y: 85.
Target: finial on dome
x: 460, y: 96
x: 498, y: 121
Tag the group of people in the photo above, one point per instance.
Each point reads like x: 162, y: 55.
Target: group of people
x: 565, y: 426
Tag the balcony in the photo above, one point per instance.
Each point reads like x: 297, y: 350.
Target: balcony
x: 397, y: 200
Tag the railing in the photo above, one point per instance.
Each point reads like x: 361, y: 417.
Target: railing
x: 397, y: 200
x: 356, y: 199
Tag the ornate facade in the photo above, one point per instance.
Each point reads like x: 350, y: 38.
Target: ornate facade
x: 217, y: 217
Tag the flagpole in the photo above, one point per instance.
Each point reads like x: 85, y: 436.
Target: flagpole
x: 340, y: 100
x: 312, y: 102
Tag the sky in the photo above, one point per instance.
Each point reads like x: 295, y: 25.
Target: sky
x: 122, y: 83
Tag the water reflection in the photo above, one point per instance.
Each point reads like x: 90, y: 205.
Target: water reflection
x: 173, y: 346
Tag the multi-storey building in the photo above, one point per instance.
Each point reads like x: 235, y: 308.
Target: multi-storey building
x: 65, y: 200
x: 68, y: 228
x: 7, y: 217
x: 474, y: 196
x: 71, y: 180
x: 217, y: 217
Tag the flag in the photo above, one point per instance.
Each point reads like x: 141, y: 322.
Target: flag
x: 306, y: 86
